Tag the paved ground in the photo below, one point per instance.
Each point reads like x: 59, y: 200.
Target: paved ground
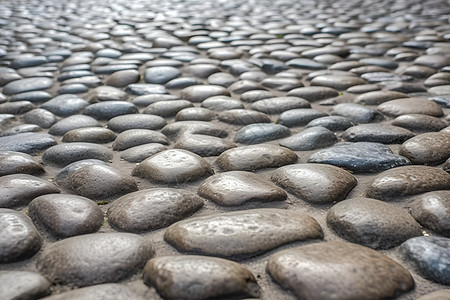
x: 224, y: 149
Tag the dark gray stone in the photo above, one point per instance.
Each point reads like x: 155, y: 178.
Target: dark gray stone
x: 136, y: 121
x: 420, y: 123
x: 135, y: 137
x: 310, y: 139
x: 299, y: 117
x: 279, y: 104
x: 23, y: 285
x: 203, y: 145
x: 167, y: 108
x: 18, y: 107
x: 139, y: 153
x: 357, y: 112
x: 41, y: 117
x: 16, y: 162
x: 65, y: 154
x: 65, y: 105
x: 381, y: 133
x: 27, y: 85
x: 333, y: 123
x: 71, y: 123
x: 432, y: 211
x: 260, y: 133
x: 30, y: 143
x: 430, y: 148
x: 107, y: 110
x: 96, y: 135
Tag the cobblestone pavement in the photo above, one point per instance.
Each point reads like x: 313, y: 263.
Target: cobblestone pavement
x: 225, y: 149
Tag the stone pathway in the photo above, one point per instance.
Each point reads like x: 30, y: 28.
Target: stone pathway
x: 262, y: 149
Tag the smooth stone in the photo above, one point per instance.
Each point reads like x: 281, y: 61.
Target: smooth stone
x: 145, y: 89
x: 310, y: 139
x: 432, y: 61
x: 443, y: 100
x: 255, y: 95
x: 135, y: 137
x: 250, y: 158
x: 74, y: 74
x: 222, y: 79
x: 17, y: 162
x: 221, y: 103
x: 242, y: 233
x: 238, y: 187
x: 243, y: 86
x: 175, y: 129
x: 167, y: 108
x: 406, y: 106
x: 30, y: 143
x: 381, y: 133
x: 440, y: 90
x: 151, y: 209
x: 146, y: 100
x: 429, y: 255
x: 96, y: 181
x: 74, y: 88
x: 363, y: 88
x: 419, y: 71
x: 357, y: 112
x: 195, y: 114
x: 201, y: 70
x: 372, y: 223
x: 92, y: 258
x: 110, y: 69
x: 23, y: 285
x: 136, y: 121
x: 182, y: 82
x: 360, y: 157
x: 18, y: 107
x: 333, y: 123
x: 432, y: 211
x: 278, y: 105
x: 378, y: 97
x: 22, y: 128
x: 33, y: 96
x: 66, y: 215
x: 338, y: 82
x: 313, y: 93
x: 121, y: 79
x: 243, y: 117
x: 299, y: 117
x: 71, y: 123
x: 65, y: 105
x: 437, y: 295
x: 198, y: 93
x: 69, y: 169
x: 173, y: 166
x: 161, y: 74
x: 344, y: 268
x: 260, y: 133
x: 8, y: 75
x: 203, y: 145
x: 107, y: 110
x: 282, y: 84
x: 41, y: 117
x: 430, y: 148
x: 199, y: 277
x: 96, y: 135
x: 139, y: 153
x: 305, y: 63
x: 406, y: 181
x: 420, y: 123
x: 27, y: 85
x: 65, y: 154
x: 106, y: 291
x: 19, y: 239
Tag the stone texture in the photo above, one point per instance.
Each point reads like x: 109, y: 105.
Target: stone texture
x: 380, y: 133
x: 343, y: 268
x: 151, y: 209
x: 203, y: 145
x: 407, y: 180
x: 310, y: 139
x: 199, y: 277
x: 243, y: 233
x: 404, y: 106
x: 372, y: 223
x: 96, y: 135
x: 65, y: 154
x: 29, y: 142
x: 23, y: 285
x: 136, y: 137
x: 94, y: 258
x: 106, y: 291
x: 260, y: 133
x: 16, y: 162
x: 71, y: 123
x: 427, y: 149
x: 238, y: 187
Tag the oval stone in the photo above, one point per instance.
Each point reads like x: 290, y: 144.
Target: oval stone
x: 23, y: 285
x: 302, y: 180
x: 28, y: 142
x: 27, y: 85
x: 430, y: 148
x: 343, y: 268
x: 199, y: 277
x: 173, y: 166
x: 19, y: 239
x: 136, y: 121
x: 408, y: 180
x: 66, y: 215
x: 372, y: 223
x: 279, y: 104
x: 250, y: 158
x: 16, y: 162
x: 94, y: 258
x: 242, y: 233
x: 65, y: 154
x: 106, y: 291
x: 135, y: 137
x: 260, y: 133
x: 381, y: 133
x: 203, y: 145
x: 333, y: 123
x: 338, y: 82
x: 96, y: 135
x: 378, y: 97
x: 313, y: 93
x: 73, y: 122
x: 152, y: 209
x: 310, y: 139
x: 406, y: 106
x: 239, y: 187
x: 109, y: 109
x: 139, y: 153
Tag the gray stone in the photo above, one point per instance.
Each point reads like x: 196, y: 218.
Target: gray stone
x: 161, y: 74
x: 106, y: 291
x: 279, y: 104
x: 406, y: 181
x: 199, y: 277
x: 260, y: 133
x: 136, y: 121
x: 299, y: 117
x: 107, y: 110
x: 18, y: 107
x: 66, y: 215
x: 313, y: 93
x: 420, y: 123
x: 123, y: 78
x: 145, y: 89
x: 96, y: 135
x: 65, y: 105
x: 372, y: 223
x: 430, y: 256
x: 255, y: 95
x: 430, y: 148
x: 151, y: 209
x: 198, y: 93
x: 167, y: 108
x: 238, y: 187
x: 175, y: 129
x: 242, y: 233
x: 432, y: 211
x: 203, y: 145
x: 65, y: 154
x: 71, y: 123
x: 27, y: 85
x: 338, y: 82
x: 243, y: 117
x: 135, y: 137
x: 251, y: 158
x: 22, y: 128
x: 360, y: 157
x: 16, y: 162
x: 173, y: 166
x: 94, y: 258
x: 333, y: 123
x: 283, y: 84
x: 23, y: 285
x: 33, y: 96
x: 69, y: 169
x: 310, y: 139
x: 19, y: 239
x: 106, y: 93
x: 195, y: 114
x: 343, y: 268
x: 405, y: 106
x: 357, y: 112
x: 221, y: 103
x: 381, y: 133
x: 41, y: 117
x: 139, y: 153
x: 378, y: 97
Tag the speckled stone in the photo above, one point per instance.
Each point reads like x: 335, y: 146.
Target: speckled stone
x: 136, y: 137
x: 344, y: 268
x: 372, y: 223
x: 139, y: 153
x: 299, y: 117
x: 430, y: 148
x: 243, y: 117
x: 357, y: 112
x: 203, y: 145
x: 17, y: 162
x: 96, y: 135
x: 68, y: 153
x: 420, y: 123
x: 404, y: 106
x: 106, y: 291
x: 333, y: 123
x: 28, y: 142
x: 378, y: 97
x: 72, y: 122
x: 407, y: 180
x: 260, y: 133
x: 151, y: 209
x: 242, y: 233
x: 279, y: 104
x: 23, y: 285
x: 167, y: 108
x: 199, y: 277
x: 310, y: 139
x: 94, y: 258
x: 381, y: 133
x: 136, y: 121
x: 107, y: 110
